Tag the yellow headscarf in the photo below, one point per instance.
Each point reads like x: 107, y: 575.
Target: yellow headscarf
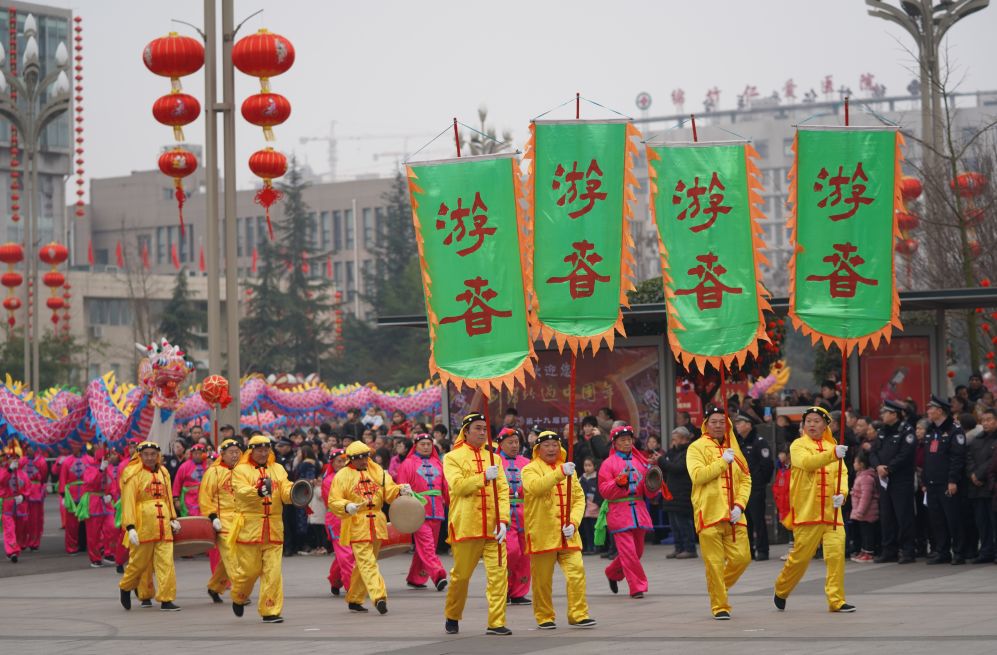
x: 135, y: 462
x: 258, y: 440
x: 465, y: 422
x: 227, y: 443
x: 374, y: 470
x: 549, y: 435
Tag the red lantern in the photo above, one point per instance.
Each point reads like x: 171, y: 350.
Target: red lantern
x: 176, y: 110
x: 178, y: 164
x: 910, y: 188
x: 968, y: 185
x: 174, y: 56
x: 55, y: 303
x: 268, y: 164
x: 974, y: 216
x: 11, y: 279
x: 263, y: 55
x: 907, y: 247
x: 11, y: 253
x: 53, y: 279
x: 266, y: 110
x: 907, y: 221
x: 53, y: 254
x: 12, y: 304
x: 214, y: 391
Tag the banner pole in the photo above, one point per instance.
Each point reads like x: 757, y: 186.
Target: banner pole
x: 571, y: 435
x: 730, y: 467
x: 456, y: 137
x: 491, y: 455
x: 841, y: 431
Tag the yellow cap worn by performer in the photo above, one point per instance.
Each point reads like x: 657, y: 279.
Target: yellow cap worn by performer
x: 357, y: 494
x: 476, y: 530
x: 552, y: 531
x: 261, y: 490
x: 721, y: 485
x: 216, y: 499
x: 150, y: 521
x: 815, y: 510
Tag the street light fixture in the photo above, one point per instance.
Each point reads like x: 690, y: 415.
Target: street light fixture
x: 40, y: 100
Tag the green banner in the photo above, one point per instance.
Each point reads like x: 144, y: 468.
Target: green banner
x: 845, y: 191
x: 581, y: 181
x: 468, y: 226
x: 702, y: 199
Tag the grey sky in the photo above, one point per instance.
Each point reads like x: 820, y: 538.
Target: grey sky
x: 405, y: 68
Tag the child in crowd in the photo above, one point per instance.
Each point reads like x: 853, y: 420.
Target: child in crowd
x: 780, y: 491
x: 589, y: 480
x: 865, y: 506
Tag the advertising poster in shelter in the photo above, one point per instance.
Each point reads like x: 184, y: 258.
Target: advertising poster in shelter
x: 897, y: 370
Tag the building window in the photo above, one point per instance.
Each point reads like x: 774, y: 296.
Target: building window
x: 312, y: 230
x: 348, y: 224
x: 109, y: 311
x: 261, y: 229
x: 238, y: 239
x: 763, y: 149
x: 368, y: 227
x: 380, y: 218
x: 324, y: 229
x: 337, y: 273
x: 349, y: 279
x: 250, y: 229
x: 162, y: 247
x: 337, y: 230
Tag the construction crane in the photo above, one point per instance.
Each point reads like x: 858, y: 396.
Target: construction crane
x: 333, y: 142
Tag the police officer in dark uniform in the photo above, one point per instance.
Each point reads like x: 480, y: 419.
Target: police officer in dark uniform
x: 760, y: 465
x: 177, y: 456
x: 892, y: 458
x: 944, y: 471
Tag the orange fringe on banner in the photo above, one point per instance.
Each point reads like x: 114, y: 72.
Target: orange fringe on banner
x: 757, y: 243
x: 627, y: 260
x: 483, y: 385
x: 856, y: 344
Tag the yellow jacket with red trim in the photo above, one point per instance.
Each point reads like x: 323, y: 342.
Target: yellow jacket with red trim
x: 147, y: 501
x: 712, y: 478
x: 813, y: 481
x: 259, y: 520
x: 472, y: 498
x: 370, y: 490
x: 545, y: 506
x: 216, y: 495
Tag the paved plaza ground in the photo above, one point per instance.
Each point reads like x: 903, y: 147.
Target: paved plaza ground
x: 51, y: 603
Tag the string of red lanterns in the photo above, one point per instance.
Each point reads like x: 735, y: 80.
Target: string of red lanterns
x: 54, y: 254
x: 265, y: 55
x: 11, y: 254
x: 78, y: 110
x: 175, y: 56
x: 15, y: 175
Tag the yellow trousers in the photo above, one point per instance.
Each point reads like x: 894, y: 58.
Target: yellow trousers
x: 143, y: 560
x: 146, y: 585
x: 542, y: 572
x: 259, y: 561
x: 806, y: 539
x: 226, y: 569
x: 466, y: 555
x: 366, y: 577
x: 726, y: 554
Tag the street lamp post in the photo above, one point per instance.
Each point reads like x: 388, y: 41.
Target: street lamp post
x: 40, y: 100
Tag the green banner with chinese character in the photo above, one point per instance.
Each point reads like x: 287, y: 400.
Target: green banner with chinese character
x: 579, y: 194
x: 468, y: 226
x: 844, y: 193
x: 705, y: 201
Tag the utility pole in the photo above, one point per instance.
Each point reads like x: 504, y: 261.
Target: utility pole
x: 231, y: 226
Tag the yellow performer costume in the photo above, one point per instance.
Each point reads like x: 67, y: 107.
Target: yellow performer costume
x: 357, y: 494
x: 475, y: 532
x: 721, y: 485
x: 261, y: 490
x: 216, y: 499
x: 815, y: 514
x: 150, y: 521
x: 552, y: 531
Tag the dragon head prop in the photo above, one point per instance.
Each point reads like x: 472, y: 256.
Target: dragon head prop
x: 162, y: 372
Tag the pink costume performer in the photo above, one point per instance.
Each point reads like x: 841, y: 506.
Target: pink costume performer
x: 423, y: 471
x: 71, y: 489
x: 94, y: 506
x: 114, y: 480
x: 13, y: 502
x: 36, y: 468
x: 519, y: 561
x: 187, y: 483
x: 621, y: 484
x: 342, y: 563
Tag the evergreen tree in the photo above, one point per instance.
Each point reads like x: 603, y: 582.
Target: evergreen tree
x: 264, y: 348
x: 183, y: 319
x: 62, y: 358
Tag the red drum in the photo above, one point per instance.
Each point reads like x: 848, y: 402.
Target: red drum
x: 196, y: 536
x: 397, y: 543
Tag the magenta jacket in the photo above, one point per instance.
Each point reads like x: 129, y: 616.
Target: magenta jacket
x: 625, y: 514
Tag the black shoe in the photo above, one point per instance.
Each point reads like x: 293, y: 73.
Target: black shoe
x: 885, y: 558
x: 520, y: 600
x: 983, y: 560
x: 671, y: 555
x: 120, y: 568
x: 109, y: 558
x: 441, y: 584
x: 614, y: 586
x: 168, y: 607
x: 416, y: 586
x: 956, y: 561
x: 500, y: 630
x: 638, y: 595
x: 215, y: 596
x: 780, y: 603
x: 938, y: 560
x: 762, y: 557
x: 146, y: 604
x: 126, y: 599
x: 334, y: 590
x: 238, y: 609
x: 546, y: 625
x: 273, y: 618
x: 382, y: 606
x: 451, y: 627
x: 722, y: 616
x: 584, y: 623
x: 845, y: 608
x: 357, y: 607
x: 905, y: 559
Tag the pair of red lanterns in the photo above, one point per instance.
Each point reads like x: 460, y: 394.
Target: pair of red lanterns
x: 263, y: 55
x: 52, y: 254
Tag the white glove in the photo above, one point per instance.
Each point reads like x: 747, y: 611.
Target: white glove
x: 735, y: 514
x: 838, y: 500
x: 18, y: 499
x: 500, y: 530
x: 108, y: 499
x: 351, y: 508
x: 405, y: 489
x: 13, y: 465
x: 103, y: 465
x: 216, y: 523
x: 839, y: 451
x: 568, y: 531
x: 175, y: 526
x: 133, y: 537
x: 568, y: 468
x: 728, y: 456
x: 491, y: 472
